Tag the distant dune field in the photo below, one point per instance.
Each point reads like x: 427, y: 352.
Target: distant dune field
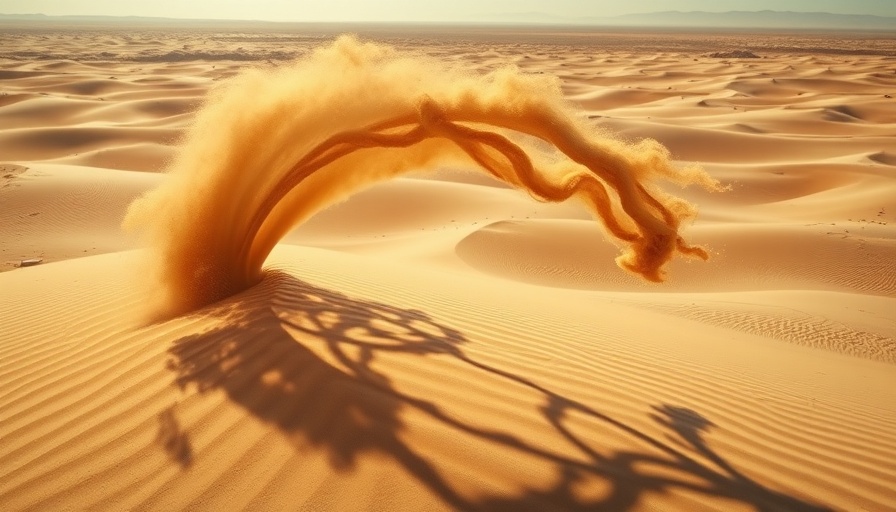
x: 441, y: 341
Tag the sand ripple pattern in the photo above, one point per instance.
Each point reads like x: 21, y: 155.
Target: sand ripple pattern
x: 294, y: 395
x: 795, y: 327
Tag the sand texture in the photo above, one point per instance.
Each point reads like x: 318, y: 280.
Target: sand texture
x: 441, y: 341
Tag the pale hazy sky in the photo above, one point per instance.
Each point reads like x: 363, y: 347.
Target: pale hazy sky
x: 419, y: 10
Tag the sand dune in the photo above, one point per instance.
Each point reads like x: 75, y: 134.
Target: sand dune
x: 746, y: 257
x: 441, y: 341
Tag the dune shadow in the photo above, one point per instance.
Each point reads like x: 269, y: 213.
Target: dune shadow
x: 335, y: 399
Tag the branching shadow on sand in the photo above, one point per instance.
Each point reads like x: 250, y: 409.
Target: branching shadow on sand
x: 259, y: 360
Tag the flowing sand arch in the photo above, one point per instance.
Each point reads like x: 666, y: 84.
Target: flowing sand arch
x: 224, y: 210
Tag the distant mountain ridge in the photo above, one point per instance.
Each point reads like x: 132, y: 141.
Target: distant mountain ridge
x: 760, y: 19
x: 703, y: 19
x: 691, y: 19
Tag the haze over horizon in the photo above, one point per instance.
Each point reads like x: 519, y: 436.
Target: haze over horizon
x: 409, y: 10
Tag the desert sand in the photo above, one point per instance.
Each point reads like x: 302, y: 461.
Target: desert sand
x: 442, y: 341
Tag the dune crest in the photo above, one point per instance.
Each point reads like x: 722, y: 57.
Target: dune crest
x: 273, y: 146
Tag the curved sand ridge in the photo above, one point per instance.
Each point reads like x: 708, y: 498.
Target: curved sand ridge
x: 559, y: 253
x: 441, y: 341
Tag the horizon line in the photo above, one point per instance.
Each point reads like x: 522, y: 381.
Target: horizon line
x: 553, y: 20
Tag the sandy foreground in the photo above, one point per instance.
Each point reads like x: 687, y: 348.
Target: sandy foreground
x: 442, y: 342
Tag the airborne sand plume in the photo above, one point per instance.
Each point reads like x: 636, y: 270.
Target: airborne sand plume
x: 273, y: 146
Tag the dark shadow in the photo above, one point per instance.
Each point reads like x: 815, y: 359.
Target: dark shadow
x: 173, y: 439
x: 262, y: 360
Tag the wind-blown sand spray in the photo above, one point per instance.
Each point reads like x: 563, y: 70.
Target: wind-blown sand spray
x: 272, y: 147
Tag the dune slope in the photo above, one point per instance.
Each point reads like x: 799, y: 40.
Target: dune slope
x: 365, y: 385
